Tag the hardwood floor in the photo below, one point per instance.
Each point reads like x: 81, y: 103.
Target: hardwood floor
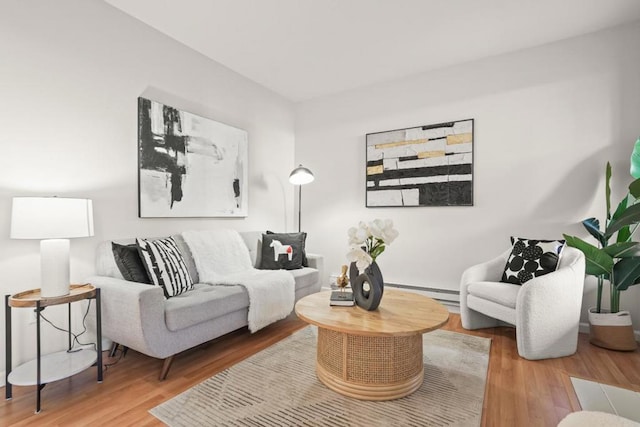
x: 519, y: 392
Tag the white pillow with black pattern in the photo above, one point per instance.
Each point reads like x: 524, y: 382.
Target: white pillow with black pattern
x: 165, y: 265
x: 531, y: 258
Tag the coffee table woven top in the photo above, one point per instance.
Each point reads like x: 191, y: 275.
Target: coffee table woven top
x: 400, y: 313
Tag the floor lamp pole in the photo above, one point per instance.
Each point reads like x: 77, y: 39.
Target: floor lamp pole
x: 300, y: 176
x: 299, y: 208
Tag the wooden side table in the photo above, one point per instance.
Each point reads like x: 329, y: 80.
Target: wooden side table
x: 56, y: 366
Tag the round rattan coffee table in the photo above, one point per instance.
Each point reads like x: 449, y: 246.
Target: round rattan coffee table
x: 372, y: 355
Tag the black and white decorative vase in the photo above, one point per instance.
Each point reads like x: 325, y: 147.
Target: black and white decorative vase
x: 367, y: 287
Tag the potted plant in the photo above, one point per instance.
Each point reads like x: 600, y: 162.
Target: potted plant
x: 615, y: 260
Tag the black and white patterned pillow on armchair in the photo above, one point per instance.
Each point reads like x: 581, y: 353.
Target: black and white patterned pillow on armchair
x: 531, y: 258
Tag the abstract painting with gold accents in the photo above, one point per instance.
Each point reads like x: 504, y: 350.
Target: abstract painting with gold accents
x: 428, y: 165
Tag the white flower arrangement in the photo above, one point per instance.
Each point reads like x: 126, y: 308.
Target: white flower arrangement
x: 368, y: 241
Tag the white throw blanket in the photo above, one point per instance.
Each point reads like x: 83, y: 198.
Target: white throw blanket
x: 222, y: 258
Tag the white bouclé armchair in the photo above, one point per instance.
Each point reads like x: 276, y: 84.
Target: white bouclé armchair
x: 544, y: 310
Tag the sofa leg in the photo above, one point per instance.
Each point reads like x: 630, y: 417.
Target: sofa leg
x: 114, y: 349
x: 166, y: 365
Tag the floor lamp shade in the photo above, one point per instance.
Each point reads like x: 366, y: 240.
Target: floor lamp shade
x: 52, y: 220
x: 300, y: 176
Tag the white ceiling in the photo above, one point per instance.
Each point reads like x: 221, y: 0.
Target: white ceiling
x: 304, y: 49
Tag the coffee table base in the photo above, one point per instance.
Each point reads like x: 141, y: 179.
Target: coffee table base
x: 370, y: 367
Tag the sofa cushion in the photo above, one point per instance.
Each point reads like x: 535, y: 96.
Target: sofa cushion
x: 305, y: 277
x: 498, y: 311
x: 282, y: 251
x: 129, y: 263
x: 202, y: 303
x: 165, y: 265
x: 501, y: 293
x: 531, y: 258
x: 205, y: 302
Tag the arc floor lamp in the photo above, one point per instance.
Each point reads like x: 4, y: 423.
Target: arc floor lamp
x: 300, y: 176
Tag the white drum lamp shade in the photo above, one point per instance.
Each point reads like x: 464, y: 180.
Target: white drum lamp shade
x: 300, y: 176
x: 53, y: 221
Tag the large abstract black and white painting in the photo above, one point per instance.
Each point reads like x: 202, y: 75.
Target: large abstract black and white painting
x: 421, y: 166
x: 189, y: 166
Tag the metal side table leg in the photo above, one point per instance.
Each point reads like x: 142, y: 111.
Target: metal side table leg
x: 99, y: 333
x: 7, y: 335
x: 69, y: 314
x: 39, y: 369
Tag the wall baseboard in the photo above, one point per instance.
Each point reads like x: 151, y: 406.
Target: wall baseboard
x: 449, y: 298
x: 449, y: 295
x: 583, y: 328
x: 2, y: 377
x: 439, y: 294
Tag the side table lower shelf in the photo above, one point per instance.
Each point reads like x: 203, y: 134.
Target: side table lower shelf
x: 54, y: 367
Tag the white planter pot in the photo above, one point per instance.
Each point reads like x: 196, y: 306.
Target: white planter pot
x: 612, y: 330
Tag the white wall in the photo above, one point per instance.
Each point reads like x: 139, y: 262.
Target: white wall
x: 546, y: 122
x: 70, y: 75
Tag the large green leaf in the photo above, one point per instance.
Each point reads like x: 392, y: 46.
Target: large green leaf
x: 622, y: 250
x: 607, y: 189
x: 624, y: 234
x: 631, y: 215
x: 635, y: 161
x: 626, y: 272
x: 593, y: 227
x: 634, y: 188
x: 598, y: 261
x: 621, y: 207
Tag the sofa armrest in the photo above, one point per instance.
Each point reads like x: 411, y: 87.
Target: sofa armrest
x: 132, y: 313
x: 490, y: 271
x: 558, y: 291
x: 548, y: 308
x: 317, y: 261
x: 486, y: 271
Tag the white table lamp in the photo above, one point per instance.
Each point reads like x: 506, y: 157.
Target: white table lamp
x: 53, y: 220
x: 300, y: 176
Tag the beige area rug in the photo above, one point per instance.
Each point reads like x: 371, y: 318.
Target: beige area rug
x: 278, y: 387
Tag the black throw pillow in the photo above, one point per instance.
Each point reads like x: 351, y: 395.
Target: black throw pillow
x: 531, y: 258
x: 305, y: 262
x: 282, y: 251
x: 129, y: 263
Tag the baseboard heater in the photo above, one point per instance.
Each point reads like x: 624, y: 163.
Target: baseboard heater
x: 445, y: 296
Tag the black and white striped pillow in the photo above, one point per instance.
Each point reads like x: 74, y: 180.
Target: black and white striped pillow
x: 165, y: 265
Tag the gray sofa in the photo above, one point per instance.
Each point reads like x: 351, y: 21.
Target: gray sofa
x: 139, y: 317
